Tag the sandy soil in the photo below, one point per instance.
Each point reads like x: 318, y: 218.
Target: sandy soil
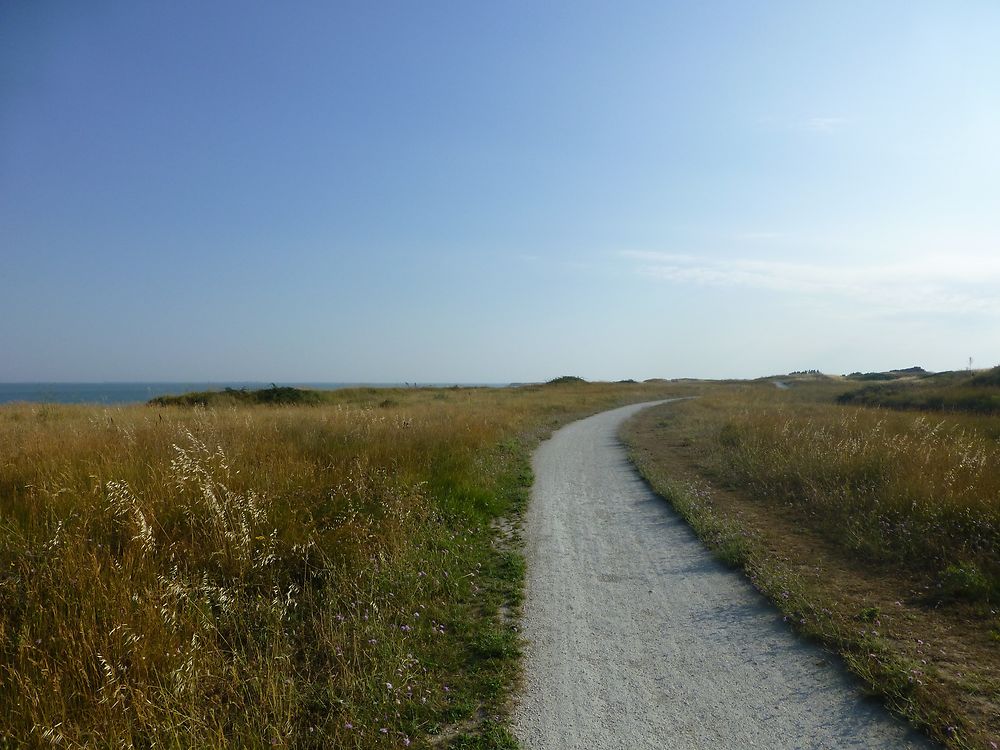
x: 637, y: 638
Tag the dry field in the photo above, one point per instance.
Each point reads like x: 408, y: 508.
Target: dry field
x: 326, y: 575
x: 876, y: 531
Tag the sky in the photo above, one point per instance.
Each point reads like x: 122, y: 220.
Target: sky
x: 495, y: 192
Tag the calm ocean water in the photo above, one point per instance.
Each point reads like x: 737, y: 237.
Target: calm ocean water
x: 131, y: 393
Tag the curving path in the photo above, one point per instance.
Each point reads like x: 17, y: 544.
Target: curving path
x: 637, y: 638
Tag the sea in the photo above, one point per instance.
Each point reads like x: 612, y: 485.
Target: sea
x: 136, y: 393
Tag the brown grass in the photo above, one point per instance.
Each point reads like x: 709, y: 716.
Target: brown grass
x: 876, y: 532
x: 307, y: 576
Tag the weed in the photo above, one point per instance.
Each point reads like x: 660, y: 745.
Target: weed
x: 869, y: 614
x: 965, y: 581
x: 496, y: 643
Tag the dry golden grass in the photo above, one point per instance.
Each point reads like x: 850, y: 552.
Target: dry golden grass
x: 921, y: 489
x: 876, y: 532
x: 307, y: 576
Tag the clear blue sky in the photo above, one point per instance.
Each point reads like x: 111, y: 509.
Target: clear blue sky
x: 496, y: 191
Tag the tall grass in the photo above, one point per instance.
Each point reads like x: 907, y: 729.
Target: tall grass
x: 918, y: 489
x: 876, y: 532
x: 307, y: 576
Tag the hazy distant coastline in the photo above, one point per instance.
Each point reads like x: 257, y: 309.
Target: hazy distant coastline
x: 131, y: 393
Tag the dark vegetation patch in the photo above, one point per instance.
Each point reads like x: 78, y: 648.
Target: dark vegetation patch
x: 987, y: 379
x: 275, y: 395
x: 889, y: 374
x: 948, y: 391
x: 566, y: 380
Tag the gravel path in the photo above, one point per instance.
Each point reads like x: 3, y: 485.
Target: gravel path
x: 638, y: 638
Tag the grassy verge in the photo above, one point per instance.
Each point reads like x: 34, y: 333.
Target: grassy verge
x: 876, y: 533
x: 335, y: 572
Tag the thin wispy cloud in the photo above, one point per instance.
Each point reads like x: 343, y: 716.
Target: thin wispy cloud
x: 758, y: 236
x: 925, y: 284
x: 825, y: 124
x: 821, y: 124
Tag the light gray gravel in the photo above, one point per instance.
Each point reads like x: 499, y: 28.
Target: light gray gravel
x: 637, y: 638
